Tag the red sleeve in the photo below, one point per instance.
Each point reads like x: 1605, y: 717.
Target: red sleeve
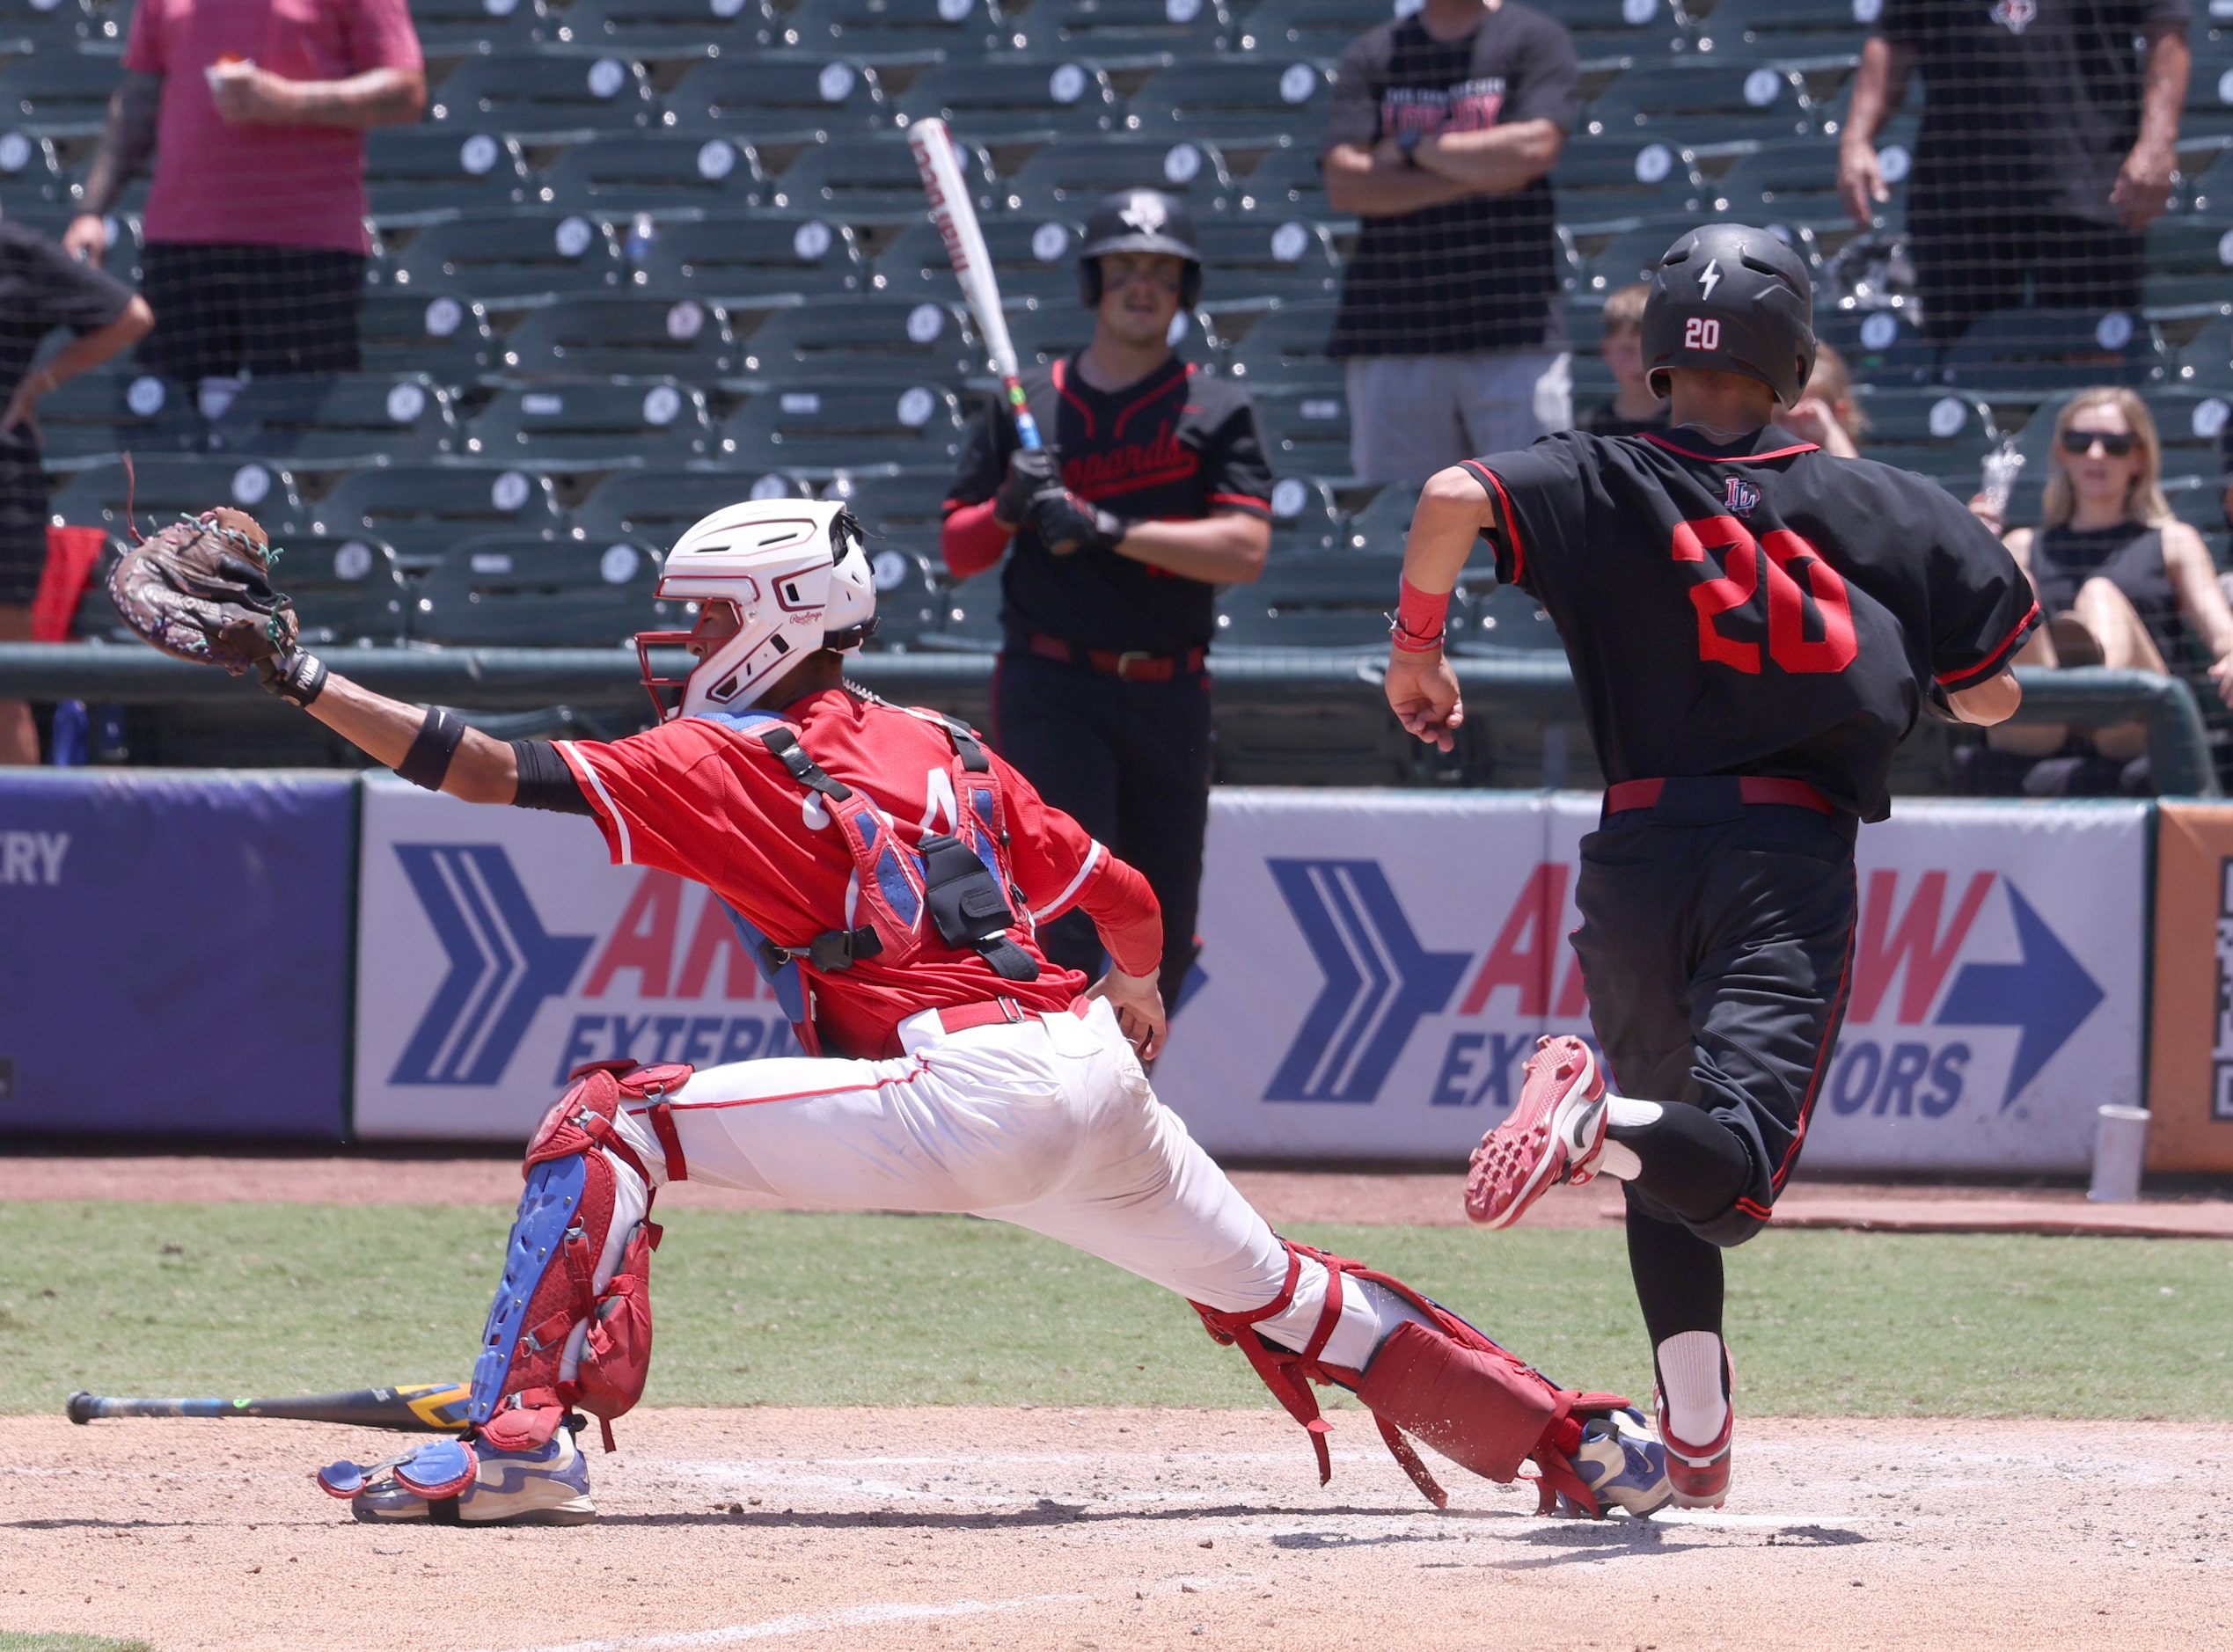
x: 653, y: 794
x: 971, y: 541
x: 1058, y: 866
x: 381, y: 37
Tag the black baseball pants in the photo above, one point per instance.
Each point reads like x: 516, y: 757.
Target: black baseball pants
x: 1715, y: 942
x: 1129, y: 762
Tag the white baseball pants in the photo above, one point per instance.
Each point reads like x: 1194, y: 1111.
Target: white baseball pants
x: 1047, y: 1124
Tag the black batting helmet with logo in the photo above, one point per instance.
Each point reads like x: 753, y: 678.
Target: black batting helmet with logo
x: 1139, y: 220
x: 1735, y: 299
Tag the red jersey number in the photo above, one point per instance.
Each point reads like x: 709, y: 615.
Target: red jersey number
x: 1794, y: 571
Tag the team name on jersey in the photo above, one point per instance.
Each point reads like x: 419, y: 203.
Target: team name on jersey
x: 1128, y: 465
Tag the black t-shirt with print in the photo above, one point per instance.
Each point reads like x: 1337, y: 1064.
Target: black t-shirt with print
x: 1474, y: 274
x: 2030, y: 106
x: 1175, y: 445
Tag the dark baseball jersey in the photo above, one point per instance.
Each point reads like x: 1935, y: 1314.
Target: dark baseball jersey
x: 1175, y: 445
x: 1754, y: 607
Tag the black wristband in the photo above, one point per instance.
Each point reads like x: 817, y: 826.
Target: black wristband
x: 428, y: 759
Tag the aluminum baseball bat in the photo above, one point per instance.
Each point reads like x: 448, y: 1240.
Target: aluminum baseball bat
x: 413, y: 1409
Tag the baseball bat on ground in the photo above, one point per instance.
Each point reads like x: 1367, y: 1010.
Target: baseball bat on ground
x: 952, y: 211
x: 417, y: 1408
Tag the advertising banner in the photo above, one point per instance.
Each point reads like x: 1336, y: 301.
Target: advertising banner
x: 498, y: 947
x: 1377, y: 966
x: 176, y: 953
x: 2190, y: 1062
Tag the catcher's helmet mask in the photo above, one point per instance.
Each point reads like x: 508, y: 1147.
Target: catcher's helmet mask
x: 1139, y: 220
x: 1731, y: 299
x: 775, y: 580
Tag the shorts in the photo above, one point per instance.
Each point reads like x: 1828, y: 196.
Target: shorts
x: 23, y: 529
x: 1412, y: 415
x: 221, y: 310
x: 1970, y: 264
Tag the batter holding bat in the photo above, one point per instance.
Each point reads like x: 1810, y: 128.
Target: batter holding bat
x: 890, y: 876
x: 1753, y: 626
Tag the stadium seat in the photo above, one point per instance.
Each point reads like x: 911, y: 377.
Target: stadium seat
x: 909, y: 510
x: 2205, y: 362
x: 659, y: 505
x: 524, y: 258
x: 1073, y: 178
x: 1287, y: 183
x: 1033, y: 258
x: 53, y: 25
x: 59, y: 94
x: 1290, y: 262
x: 421, y: 174
x: 1285, y: 349
x: 803, y: 97
x: 1599, y: 179
x: 1015, y: 101
x: 2037, y: 352
x: 909, y: 595
x: 465, y: 28
x: 99, y: 414
x: 1309, y: 602
x: 650, y: 29
x: 338, y: 421
x: 1042, y: 329
x: 348, y: 589
x: 448, y: 338
x: 864, y: 341
x: 1502, y: 620
x: 1289, y: 29
x: 31, y: 173
x: 2189, y: 262
x: 1306, y: 435
x: 1936, y: 433
x: 2209, y: 95
x: 896, y: 31
x: 1780, y: 30
x: 1184, y: 28
x: 1644, y: 30
x: 164, y: 486
x: 547, y: 99
x: 1306, y: 518
x: 592, y: 424
x: 679, y: 338
x: 1794, y: 184
x: 1879, y: 346
x: 1692, y: 104
x: 516, y: 590
x: 1263, y: 100
x: 918, y: 427
x: 1379, y: 529
x: 967, y: 619
x: 661, y: 173
x: 872, y: 178
x: 747, y: 260
x: 423, y: 509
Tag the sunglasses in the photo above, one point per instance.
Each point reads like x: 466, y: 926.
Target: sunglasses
x: 2115, y: 444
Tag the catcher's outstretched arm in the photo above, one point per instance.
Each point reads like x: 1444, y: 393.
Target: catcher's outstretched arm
x: 480, y: 770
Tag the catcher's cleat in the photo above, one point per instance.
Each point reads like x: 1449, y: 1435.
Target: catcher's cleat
x: 1555, y: 1134
x: 545, y: 1486
x: 1623, y: 1463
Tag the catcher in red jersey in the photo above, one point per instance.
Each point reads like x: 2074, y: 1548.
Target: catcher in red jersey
x: 1753, y: 626
x: 890, y: 875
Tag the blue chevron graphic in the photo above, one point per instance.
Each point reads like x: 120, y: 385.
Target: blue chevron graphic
x: 1379, y: 981
x: 2045, y: 996
x: 502, y: 964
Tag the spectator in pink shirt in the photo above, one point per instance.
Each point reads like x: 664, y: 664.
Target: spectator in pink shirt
x: 254, y: 111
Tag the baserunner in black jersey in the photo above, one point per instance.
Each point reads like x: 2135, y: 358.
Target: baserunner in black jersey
x: 1753, y: 626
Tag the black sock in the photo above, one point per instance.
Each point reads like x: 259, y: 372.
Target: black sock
x: 1678, y: 1277
x: 1692, y: 1164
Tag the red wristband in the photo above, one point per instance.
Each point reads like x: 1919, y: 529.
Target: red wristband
x: 1418, y: 620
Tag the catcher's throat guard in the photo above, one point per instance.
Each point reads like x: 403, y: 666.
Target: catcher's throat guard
x: 571, y: 1324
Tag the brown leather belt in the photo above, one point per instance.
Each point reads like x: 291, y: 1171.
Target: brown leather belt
x: 959, y: 1018
x: 1753, y: 788
x: 1131, y: 666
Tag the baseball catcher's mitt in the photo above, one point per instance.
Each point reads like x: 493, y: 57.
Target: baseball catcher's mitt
x: 201, y: 590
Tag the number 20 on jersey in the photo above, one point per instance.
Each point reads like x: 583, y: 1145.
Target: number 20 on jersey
x: 1793, y: 571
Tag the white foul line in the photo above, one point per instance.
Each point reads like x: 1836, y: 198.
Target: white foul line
x: 812, y: 1623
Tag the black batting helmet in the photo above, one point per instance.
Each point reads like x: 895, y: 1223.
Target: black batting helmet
x: 1735, y: 299
x: 1139, y: 220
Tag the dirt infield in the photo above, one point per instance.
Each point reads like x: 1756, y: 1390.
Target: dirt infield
x: 1283, y: 1195
x: 1104, y: 1528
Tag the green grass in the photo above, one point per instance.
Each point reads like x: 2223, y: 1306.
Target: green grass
x: 779, y: 1309
x: 12, y: 1641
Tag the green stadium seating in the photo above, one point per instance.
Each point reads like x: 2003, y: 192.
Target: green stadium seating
x: 1781, y: 30
x: 1879, y: 346
x: 1262, y: 101
x: 1646, y: 30
x: 740, y: 261
x: 1306, y: 517
x: 658, y: 29
x: 55, y: 26
x: 1033, y: 257
x: 908, y: 597
x: 2205, y: 362
x: 1286, y: 30
x: 2209, y: 95
x: 529, y: 257
x: 337, y: 421
x: 1286, y: 183
x: 1379, y: 529
x: 2189, y: 262
x: 446, y: 337
x: 511, y: 590
x: 904, y: 31
x: 1042, y: 329
x: 659, y: 173
x: 2036, y: 352
x: 1794, y: 184
x: 1289, y: 262
x: 967, y: 619
x: 1187, y: 28
x: 1015, y: 100
x: 913, y: 427
x: 452, y: 28
x: 872, y: 178
x: 1072, y: 178
x: 347, y: 589
x: 1940, y: 434
x: 1308, y: 602
x: 658, y: 505
x: 1285, y: 349
x: 31, y: 173
x: 1696, y: 104
x: 679, y: 338
x: 99, y: 414
x: 592, y: 424
x: 1598, y: 179
x: 420, y: 174
x: 864, y: 341
x: 59, y: 94
x: 164, y: 486
x: 547, y: 99
x: 1504, y: 620
x: 423, y: 509
x: 807, y: 98
x: 1306, y: 435
x: 906, y: 510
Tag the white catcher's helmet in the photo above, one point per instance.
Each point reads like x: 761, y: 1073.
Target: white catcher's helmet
x: 790, y: 572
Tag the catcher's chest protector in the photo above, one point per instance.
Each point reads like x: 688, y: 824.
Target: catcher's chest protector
x: 961, y: 882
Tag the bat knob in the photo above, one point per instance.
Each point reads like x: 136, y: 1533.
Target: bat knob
x: 82, y: 1408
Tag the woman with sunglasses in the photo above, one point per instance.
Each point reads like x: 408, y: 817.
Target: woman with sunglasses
x: 2125, y: 584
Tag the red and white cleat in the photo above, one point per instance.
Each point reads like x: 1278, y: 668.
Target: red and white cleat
x: 1555, y: 1134
x: 1698, y: 1474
